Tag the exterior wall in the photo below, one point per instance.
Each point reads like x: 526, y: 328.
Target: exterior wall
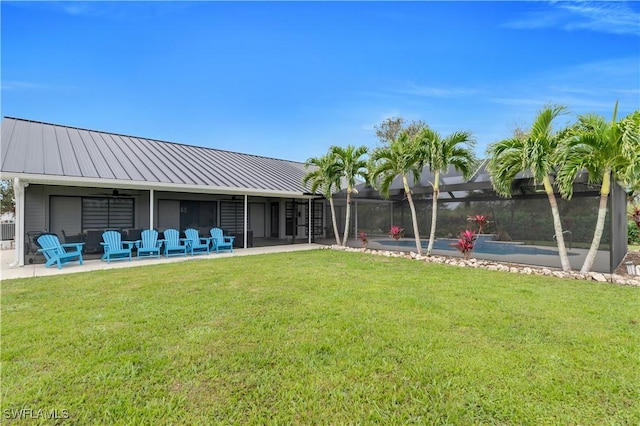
x: 36, y: 209
x: 65, y: 215
x: 167, y: 214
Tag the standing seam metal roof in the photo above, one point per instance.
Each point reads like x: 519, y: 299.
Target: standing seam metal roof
x: 50, y: 150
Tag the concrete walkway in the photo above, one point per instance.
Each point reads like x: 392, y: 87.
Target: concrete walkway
x: 38, y: 270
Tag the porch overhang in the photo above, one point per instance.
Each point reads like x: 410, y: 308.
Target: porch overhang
x: 91, y: 182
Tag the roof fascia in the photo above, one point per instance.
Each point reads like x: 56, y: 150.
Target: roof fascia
x: 159, y: 186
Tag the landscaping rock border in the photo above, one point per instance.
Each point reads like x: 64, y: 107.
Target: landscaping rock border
x: 497, y: 266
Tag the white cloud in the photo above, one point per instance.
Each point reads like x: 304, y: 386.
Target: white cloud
x: 438, y: 92
x: 606, y: 17
x: 27, y: 85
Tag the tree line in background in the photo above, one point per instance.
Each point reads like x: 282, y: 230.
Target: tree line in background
x: 607, y: 150
x: 7, y: 200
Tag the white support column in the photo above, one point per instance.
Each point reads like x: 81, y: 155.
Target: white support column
x: 151, y: 205
x: 309, y: 222
x: 246, y: 219
x: 18, y: 192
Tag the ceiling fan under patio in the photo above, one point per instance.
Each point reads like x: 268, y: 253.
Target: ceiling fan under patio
x: 114, y: 193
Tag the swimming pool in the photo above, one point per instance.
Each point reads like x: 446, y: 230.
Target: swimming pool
x: 484, y: 246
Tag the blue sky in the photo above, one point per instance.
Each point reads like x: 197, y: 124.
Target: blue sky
x: 289, y: 79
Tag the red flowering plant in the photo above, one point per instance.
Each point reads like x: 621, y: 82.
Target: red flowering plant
x: 481, y: 220
x: 465, y: 243
x: 363, y: 238
x: 636, y: 215
x: 396, y: 232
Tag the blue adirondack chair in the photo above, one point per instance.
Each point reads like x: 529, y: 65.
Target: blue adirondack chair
x: 221, y: 242
x: 57, y: 253
x: 173, y: 244
x: 197, y: 244
x: 149, y: 245
x: 114, y: 247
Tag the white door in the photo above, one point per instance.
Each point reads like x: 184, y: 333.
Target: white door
x: 256, y: 219
x: 168, y: 214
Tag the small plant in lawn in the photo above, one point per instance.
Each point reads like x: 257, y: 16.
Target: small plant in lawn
x: 481, y: 220
x: 363, y: 239
x: 465, y: 243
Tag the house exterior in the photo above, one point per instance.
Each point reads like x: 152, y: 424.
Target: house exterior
x: 77, y: 183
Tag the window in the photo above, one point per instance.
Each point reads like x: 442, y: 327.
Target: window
x: 107, y: 213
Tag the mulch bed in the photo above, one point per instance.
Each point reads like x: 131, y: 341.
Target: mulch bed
x: 632, y: 256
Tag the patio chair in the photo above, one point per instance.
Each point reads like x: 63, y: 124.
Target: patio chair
x: 93, y: 241
x: 197, y: 244
x: 173, y: 244
x: 114, y: 247
x: 57, y: 253
x: 149, y: 245
x: 221, y: 242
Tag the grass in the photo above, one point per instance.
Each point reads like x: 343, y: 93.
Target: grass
x: 323, y: 337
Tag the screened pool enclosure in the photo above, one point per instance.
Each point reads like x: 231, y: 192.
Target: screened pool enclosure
x: 520, y: 228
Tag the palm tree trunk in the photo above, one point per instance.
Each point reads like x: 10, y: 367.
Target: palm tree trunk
x: 346, y: 224
x: 333, y: 219
x: 434, y: 211
x: 414, y: 217
x: 557, y: 225
x: 602, y: 214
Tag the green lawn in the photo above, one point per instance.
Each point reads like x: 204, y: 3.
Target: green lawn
x: 320, y: 337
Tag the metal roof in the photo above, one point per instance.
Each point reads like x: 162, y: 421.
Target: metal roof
x: 454, y: 186
x: 37, y: 151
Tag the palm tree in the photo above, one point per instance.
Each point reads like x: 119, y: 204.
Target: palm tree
x: 438, y: 154
x: 535, y: 152
x: 606, y: 150
x: 398, y: 157
x: 350, y: 164
x: 325, y: 177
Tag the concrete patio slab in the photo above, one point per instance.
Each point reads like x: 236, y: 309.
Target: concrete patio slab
x: 8, y: 272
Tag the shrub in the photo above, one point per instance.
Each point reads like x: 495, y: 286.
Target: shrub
x: 396, y: 232
x: 363, y: 238
x: 465, y: 243
x: 633, y: 233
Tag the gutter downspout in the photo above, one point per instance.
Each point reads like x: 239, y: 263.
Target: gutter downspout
x: 18, y: 192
